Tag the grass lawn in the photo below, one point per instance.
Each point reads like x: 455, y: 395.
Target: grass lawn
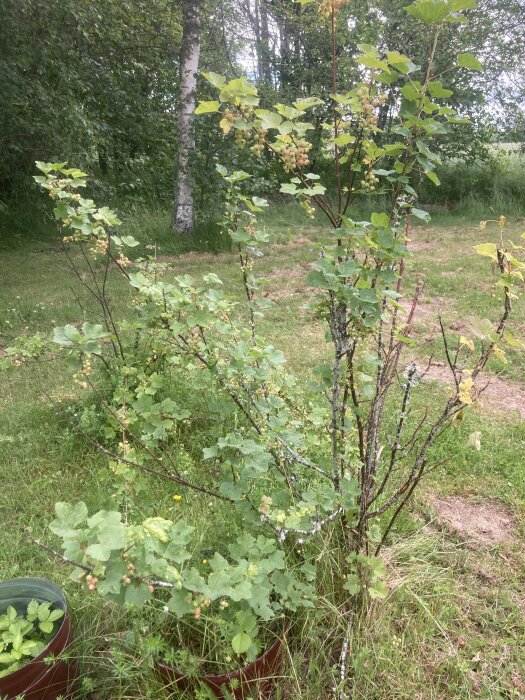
x: 453, y: 625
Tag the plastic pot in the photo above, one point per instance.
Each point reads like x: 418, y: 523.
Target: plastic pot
x: 37, y: 680
x: 260, y: 675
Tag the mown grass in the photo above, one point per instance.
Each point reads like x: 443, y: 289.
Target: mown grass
x: 452, y: 623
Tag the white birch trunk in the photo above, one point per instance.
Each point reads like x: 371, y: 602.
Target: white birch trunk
x: 183, y: 208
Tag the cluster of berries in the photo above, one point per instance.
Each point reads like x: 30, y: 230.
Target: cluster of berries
x: 368, y: 118
x: 91, y: 582
x: 370, y: 181
x: 328, y: 6
x: 200, y: 603
x: 294, y: 154
x: 258, y: 146
x: 306, y: 204
x: 99, y: 247
x: 240, y: 138
x: 80, y: 376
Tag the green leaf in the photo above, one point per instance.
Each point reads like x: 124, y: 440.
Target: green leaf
x: 512, y: 341
x: 55, y: 615
x: 214, y: 78
x: 46, y: 627
x: 138, y: 595
x: 307, y: 102
x: 421, y: 214
x: 288, y: 188
x: 241, y: 643
x: 180, y: 603
x: 468, y: 60
x: 380, y: 220
x: 288, y: 112
x: 488, y: 250
x: 370, y: 61
x: 437, y: 90
x: 130, y: 241
x: 98, y: 552
x: 68, y: 518
x: 32, y: 609
x: 344, y: 139
x: 206, y: 107
x: 429, y: 11
x: 269, y: 120
x: 432, y: 176
x: 458, y: 5
x: 316, y: 189
x: 379, y: 590
x: 410, y: 92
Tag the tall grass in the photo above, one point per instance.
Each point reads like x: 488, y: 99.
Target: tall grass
x: 493, y: 187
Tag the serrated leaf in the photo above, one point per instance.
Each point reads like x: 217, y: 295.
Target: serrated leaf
x: 344, y: 139
x: 269, y: 120
x: 241, y: 643
x: 429, y: 11
x: 138, y: 595
x: 432, y: 176
x: 207, y: 107
x: 378, y: 591
x: 488, y: 250
x: 307, y: 102
x: 180, y: 603
x: 68, y: 518
x: 380, y: 220
x: 468, y: 60
x: 421, y: 214
x: 437, y: 90
x: 214, y: 78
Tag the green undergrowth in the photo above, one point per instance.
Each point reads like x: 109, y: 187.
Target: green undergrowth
x: 451, y: 626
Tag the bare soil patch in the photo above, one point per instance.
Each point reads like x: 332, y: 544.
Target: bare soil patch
x: 414, y: 246
x: 497, y: 394
x: 284, y: 282
x: 486, y: 523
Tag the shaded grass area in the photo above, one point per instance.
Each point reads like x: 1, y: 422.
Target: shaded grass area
x: 452, y: 623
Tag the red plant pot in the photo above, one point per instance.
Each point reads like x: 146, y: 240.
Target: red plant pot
x: 38, y: 680
x: 261, y: 674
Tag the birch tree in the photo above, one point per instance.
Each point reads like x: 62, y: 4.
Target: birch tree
x: 183, y: 208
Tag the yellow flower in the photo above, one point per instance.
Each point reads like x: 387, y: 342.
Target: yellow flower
x: 204, y: 561
x: 177, y: 497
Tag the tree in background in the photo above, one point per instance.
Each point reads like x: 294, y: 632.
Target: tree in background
x: 96, y: 87
x: 183, y: 208
x: 100, y: 87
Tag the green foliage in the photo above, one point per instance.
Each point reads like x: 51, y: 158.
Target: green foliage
x: 495, y: 185
x: 288, y: 469
x: 95, y: 85
x: 22, y: 637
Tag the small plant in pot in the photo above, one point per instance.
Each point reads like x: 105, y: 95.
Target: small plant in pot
x: 35, y: 631
x: 25, y: 636
x: 213, y: 652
